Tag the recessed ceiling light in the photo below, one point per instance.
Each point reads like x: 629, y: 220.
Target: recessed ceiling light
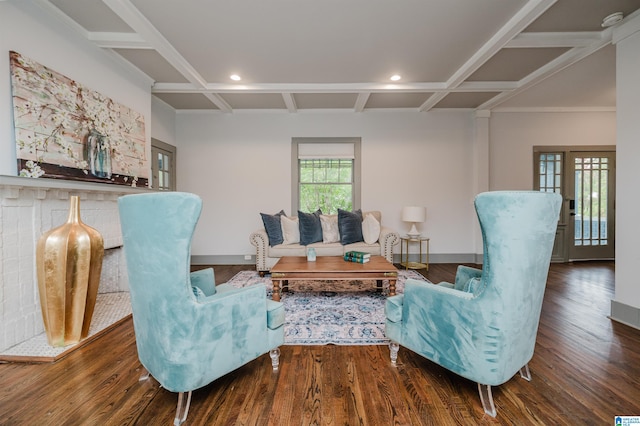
x: 235, y: 77
x: 395, y: 77
x: 612, y: 19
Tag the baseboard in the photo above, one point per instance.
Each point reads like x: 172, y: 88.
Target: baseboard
x: 240, y: 259
x: 222, y: 260
x: 440, y: 258
x: 625, y: 314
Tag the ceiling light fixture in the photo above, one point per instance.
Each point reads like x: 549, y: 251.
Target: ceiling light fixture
x: 235, y: 77
x: 612, y: 19
x: 395, y: 77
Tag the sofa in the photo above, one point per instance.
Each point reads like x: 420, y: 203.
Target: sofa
x: 328, y: 235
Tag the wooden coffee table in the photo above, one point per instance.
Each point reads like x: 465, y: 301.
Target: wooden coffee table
x: 293, y: 268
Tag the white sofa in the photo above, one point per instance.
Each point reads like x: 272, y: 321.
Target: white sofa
x: 267, y: 256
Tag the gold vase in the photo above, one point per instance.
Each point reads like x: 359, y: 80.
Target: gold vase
x: 69, y: 262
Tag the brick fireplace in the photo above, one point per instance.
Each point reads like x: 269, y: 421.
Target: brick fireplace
x: 28, y: 208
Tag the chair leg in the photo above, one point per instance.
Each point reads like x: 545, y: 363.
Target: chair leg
x: 144, y: 375
x: 275, y: 358
x: 525, y: 373
x: 487, y: 399
x: 393, y: 349
x: 183, y: 408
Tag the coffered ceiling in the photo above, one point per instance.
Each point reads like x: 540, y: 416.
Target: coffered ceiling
x: 299, y: 55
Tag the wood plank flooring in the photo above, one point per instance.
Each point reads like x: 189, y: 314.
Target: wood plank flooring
x: 585, y: 371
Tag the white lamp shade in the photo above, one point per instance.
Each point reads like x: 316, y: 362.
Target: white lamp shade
x: 414, y: 214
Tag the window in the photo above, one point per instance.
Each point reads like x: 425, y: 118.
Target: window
x: 326, y: 174
x: 163, y: 166
x: 550, y: 173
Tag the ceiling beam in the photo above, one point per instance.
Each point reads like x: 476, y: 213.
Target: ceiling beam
x: 119, y: 40
x: 290, y: 102
x: 361, y: 101
x: 561, y: 62
x: 518, y: 22
x: 541, y: 40
x: 359, y: 88
x: 141, y: 25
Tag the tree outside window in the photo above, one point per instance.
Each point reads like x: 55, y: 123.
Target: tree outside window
x: 326, y: 184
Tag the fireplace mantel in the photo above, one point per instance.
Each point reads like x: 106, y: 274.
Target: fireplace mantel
x: 13, y: 184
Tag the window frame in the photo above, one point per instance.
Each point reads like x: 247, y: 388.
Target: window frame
x: 171, y: 152
x: 295, y: 177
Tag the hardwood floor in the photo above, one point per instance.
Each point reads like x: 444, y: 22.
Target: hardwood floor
x: 585, y: 371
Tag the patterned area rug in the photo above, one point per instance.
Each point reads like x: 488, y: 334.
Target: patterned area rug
x: 331, y: 312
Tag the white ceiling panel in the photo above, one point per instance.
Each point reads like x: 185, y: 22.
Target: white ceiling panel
x: 153, y: 64
x: 92, y: 15
x: 589, y: 83
x: 291, y: 41
x: 325, y: 100
x: 334, y: 54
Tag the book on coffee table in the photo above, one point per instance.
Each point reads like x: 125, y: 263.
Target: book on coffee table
x: 357, y: 256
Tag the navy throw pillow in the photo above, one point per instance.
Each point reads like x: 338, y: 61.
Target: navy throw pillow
x: 350, y: 226
x: 310, y: 227
x: 273, y: 228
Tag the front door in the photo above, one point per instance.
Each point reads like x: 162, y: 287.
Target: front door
x: 591, y: 193
x: 586, y: 181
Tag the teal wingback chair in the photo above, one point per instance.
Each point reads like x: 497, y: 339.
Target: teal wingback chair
x: 188, y: 331
x: 484, y: 325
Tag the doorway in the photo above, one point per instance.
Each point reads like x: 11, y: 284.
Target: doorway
x: 585, y: 177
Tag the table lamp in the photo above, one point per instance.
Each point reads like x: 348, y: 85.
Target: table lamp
x: 414, y: 215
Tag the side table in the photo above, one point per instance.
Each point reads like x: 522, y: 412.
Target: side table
x: 404, y: 247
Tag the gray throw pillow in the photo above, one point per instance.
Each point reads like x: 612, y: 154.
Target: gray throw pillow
x: 310, y: 227
x: 350, y: 226
x: 273, y: 228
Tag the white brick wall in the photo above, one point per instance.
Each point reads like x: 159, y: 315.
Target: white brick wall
x: 30, y: 207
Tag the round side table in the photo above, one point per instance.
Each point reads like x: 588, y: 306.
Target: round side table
x: 422, y: 263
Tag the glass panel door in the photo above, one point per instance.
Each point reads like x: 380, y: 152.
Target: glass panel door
x: 591, y: 206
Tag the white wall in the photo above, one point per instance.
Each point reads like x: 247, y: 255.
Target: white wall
x: 28, y: 30
x: 514, y: 134
x: 628, y: 153
x: 163, y: 118
x: 240, y: 164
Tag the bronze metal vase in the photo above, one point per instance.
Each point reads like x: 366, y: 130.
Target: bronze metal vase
x: 69, y: 262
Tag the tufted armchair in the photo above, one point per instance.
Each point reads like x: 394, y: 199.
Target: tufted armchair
x: 484, y: 325
x: 188, y: 331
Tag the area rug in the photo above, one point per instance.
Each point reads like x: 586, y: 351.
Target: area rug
x: 331, y: 312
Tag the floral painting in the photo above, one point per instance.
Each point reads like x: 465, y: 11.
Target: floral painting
x: 65, y: 130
